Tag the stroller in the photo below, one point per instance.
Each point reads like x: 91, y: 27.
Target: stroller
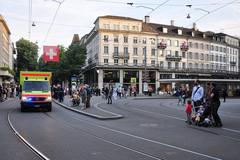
x: 199, y: 117
x: 75, y: 99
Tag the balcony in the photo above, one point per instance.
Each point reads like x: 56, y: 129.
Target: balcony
x: 162, y: 45
x: 173, y: 58
x: 232, y: 63
x: 121, y: 55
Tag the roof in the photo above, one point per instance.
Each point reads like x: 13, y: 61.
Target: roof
x: 4, y: 23
x: 117, y: 17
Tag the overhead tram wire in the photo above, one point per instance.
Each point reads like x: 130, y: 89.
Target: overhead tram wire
x: 232, y: 2
x: 54, y: 17
x: 176, y: 5
x: 161, y: 4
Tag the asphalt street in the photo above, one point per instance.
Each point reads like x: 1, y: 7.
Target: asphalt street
x: 150, y: 129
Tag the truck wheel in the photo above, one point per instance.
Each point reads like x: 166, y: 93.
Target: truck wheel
x: 23, y: 109
x: 49, y: 109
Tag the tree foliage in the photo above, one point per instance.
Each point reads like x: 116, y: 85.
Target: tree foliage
x: 27, y: 55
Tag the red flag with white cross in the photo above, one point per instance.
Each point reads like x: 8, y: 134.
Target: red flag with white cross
x: 51, y: 53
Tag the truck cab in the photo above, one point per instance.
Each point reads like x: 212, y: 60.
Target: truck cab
x: 35, y: 90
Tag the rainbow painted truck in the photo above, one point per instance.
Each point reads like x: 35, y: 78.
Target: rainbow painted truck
x: 35, y: 90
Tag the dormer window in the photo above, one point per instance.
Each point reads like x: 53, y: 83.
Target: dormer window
x: 193, y: 34
x: 179, y: 32
x: 204, y: 35
x: 165, y: 30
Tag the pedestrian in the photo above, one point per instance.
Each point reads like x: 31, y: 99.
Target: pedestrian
x: 184, y: 96
x: 110, y: 94
x: 197, y: 95
x: 83, y: 94
x: 189, y: 112
x: 208, y: 108
x: 224, y: 94
x: 61, y: 94
x: 215, y: 103
x: 179, y: 95
x: 89, y: 95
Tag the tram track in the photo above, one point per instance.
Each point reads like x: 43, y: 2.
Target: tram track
x: 125, y: 134
x: 203, y: 129
x: 23, y: 140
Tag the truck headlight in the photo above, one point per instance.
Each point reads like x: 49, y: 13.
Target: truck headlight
x: 49, y: 98
x: 24, y: 98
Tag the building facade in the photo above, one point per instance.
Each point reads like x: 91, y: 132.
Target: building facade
x: 6, y: 52
x: 132, y: 52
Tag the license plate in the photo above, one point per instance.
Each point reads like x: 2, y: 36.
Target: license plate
x: 36, y: 105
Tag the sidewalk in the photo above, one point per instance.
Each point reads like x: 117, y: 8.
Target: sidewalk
x: 94, y: 111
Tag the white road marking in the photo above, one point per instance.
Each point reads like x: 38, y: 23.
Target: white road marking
x: 149, y: 140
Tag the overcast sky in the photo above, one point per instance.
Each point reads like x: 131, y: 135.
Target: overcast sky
x: 78, y: 16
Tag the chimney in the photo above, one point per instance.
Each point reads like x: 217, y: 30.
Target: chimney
x: 147, y: 19
x: 172, y: 22
x: 194, y: 26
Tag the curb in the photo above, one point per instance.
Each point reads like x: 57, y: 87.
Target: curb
x: 89, y: 114
x: 144, y: 98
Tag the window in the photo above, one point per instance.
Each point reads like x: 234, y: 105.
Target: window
x: 115, y: 61
x: 144, y: 51
x: 106, y: 26
x: 179, y: 32
x: 125, y: 27
x: 184, y: 54
x: 135, y: 51
x: 161, y: 64
x: 105, y: 61
x: 168, y: 52
x: 115, y: 39
x: 125, y: 61
x: 176, y: 65
x: 184, y: 65
x: 105, y: 38
x: 125, y: 39
x: 176, y: 54
x: 144, y: 62
x: 115, y: 49
x: 201, y: 46
x: 165, y: 30
x: 169, y: 42
x: 153, y: 41
x: 216, y: 48
x: 196, y: 56
x: 190, y: 44
x: 153, y: 52
x: 144, y: 41
x: 190, y: 65
x: 196, y: 65
x: 207, y: 47
x: 196, y: 45
x: 169, y: 65
x: 125, y: 49
x: 190, y: 55
x: 135, y: 40
x: 135, y: 28
x: 176, y: 43
x: 153, y: 62
x: 116, y: 27
x: 135, y: 61
x: 201, y: 56
x: 105, y: 49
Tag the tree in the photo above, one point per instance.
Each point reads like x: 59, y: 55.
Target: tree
x: 27, y: 55
x: 75, y: 58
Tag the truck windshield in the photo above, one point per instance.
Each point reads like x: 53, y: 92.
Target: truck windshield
x: 36, y: 86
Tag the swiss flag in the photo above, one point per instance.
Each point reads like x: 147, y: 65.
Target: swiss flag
x: 51, y: 53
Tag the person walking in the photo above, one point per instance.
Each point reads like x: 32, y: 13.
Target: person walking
x: 215, y: 103
x: 110, y: 94
x: 89, y: 95
x: 224, y: 94
x: 197, y: 95
x: 83, y: 94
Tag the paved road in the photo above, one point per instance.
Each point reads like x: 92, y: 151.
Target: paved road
x: 150, y: 129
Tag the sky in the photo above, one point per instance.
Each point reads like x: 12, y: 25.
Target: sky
x: 78, y: 16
